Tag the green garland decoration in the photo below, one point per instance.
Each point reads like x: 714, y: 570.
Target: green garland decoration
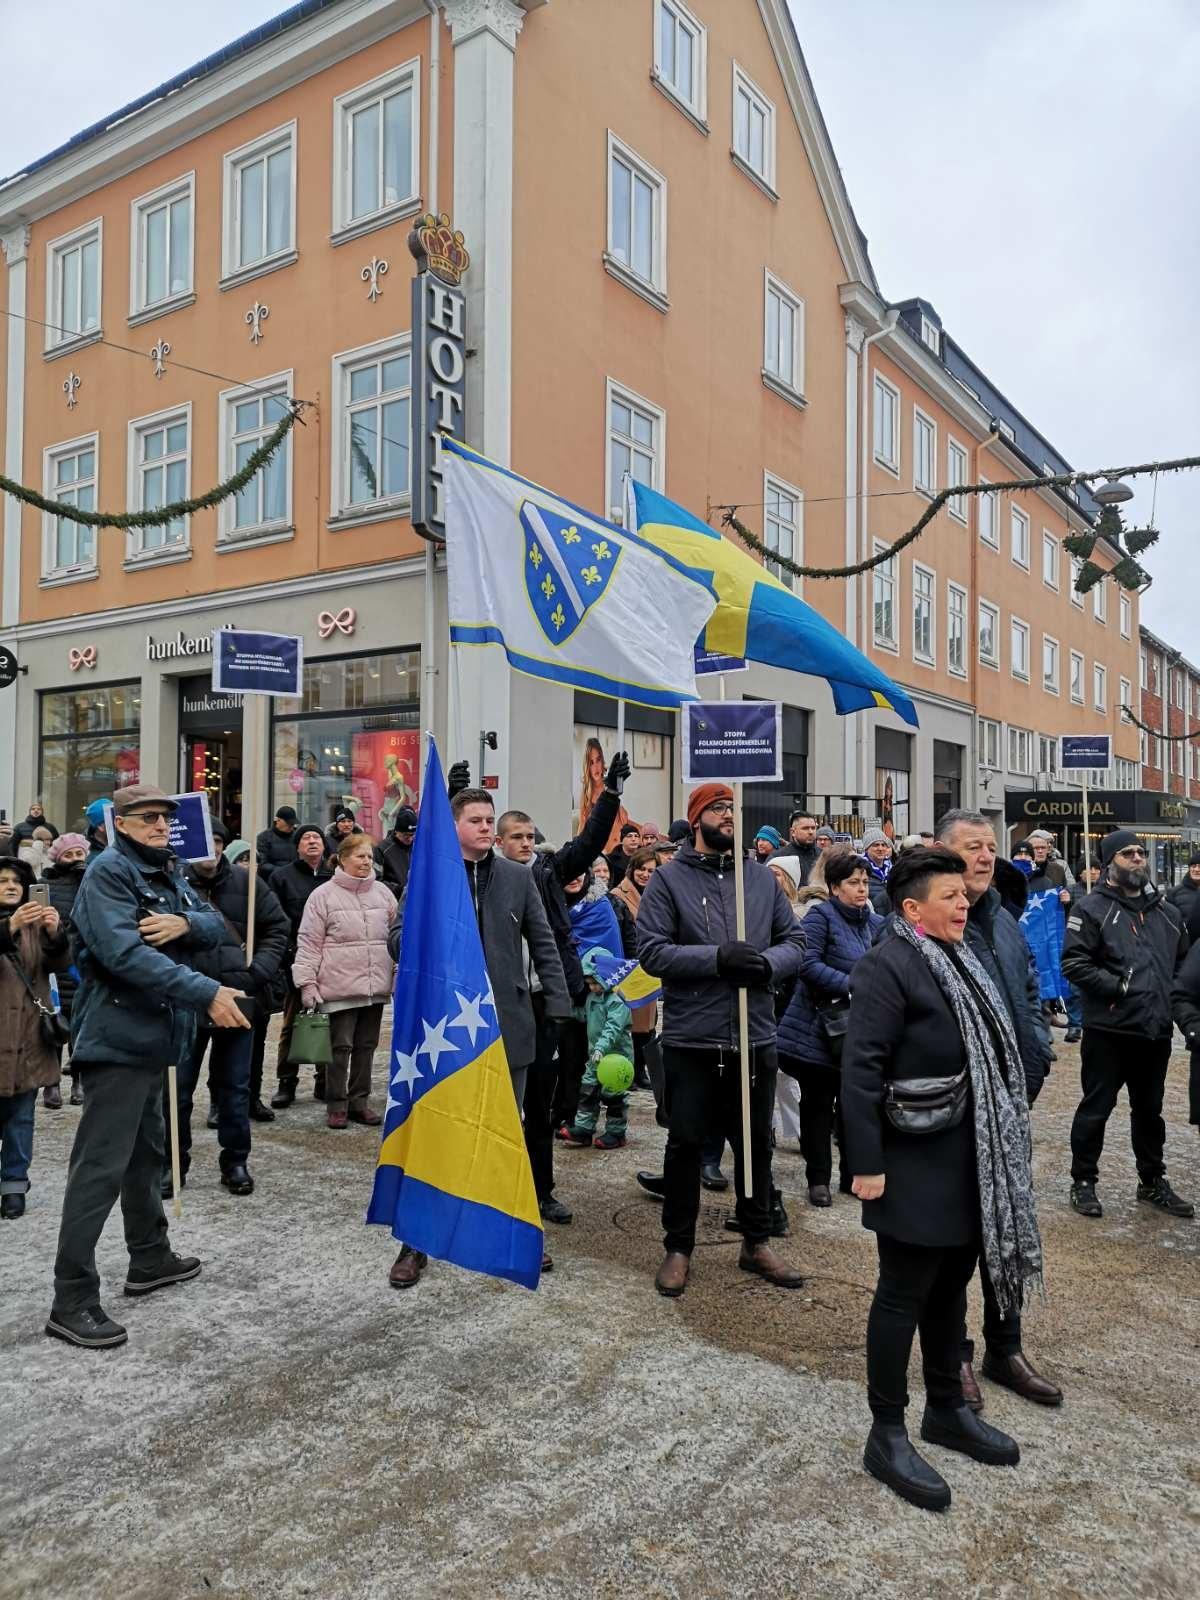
x: 1062, y: 480
x: 1167, y: 738
x: 179, y: 508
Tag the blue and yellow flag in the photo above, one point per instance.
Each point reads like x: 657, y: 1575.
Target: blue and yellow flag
x: 453, y: 1177
x: 757, y: 616
x: 628, y: 979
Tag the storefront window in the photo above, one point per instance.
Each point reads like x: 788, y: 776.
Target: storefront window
x: 90, y: 745
x: 353, y: 738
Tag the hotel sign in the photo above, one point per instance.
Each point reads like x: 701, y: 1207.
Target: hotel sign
x: 439, y: 357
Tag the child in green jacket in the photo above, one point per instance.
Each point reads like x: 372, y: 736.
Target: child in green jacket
x: 609, y: 1032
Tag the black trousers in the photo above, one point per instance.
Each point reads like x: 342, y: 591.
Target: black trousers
x: 540, y: 1085
x: 820, y: 1113
x: 1001, y: 1335
x: 921, y: 1288
x: 572, y: 1058
x: 704, y: 1101
x: 1110, y: 1062
x: 1194, y: 1089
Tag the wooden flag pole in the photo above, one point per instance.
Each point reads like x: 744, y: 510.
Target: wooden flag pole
x: 254, y: 757
x: 739, y: 902
x: 173, y: 1110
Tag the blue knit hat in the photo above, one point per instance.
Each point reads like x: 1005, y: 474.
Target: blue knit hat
x: 772, y: 835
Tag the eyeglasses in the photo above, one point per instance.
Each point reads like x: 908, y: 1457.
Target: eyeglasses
x: 722, y: 808
x: 148, y: 816
x: 1134, y: 851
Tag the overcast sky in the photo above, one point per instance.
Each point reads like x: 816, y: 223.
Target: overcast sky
x: 1029, y: 169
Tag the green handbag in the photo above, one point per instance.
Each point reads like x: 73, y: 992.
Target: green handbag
x: 310, y: 1040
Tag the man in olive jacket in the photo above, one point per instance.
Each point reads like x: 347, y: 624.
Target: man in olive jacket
x: 687, y: 936
x: 138, y: 925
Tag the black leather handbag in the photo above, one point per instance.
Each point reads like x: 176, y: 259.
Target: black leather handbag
x: 922, y: 1106
x: 834, y: 1017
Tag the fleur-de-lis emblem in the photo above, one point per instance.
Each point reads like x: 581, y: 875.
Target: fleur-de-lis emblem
x: 535, y: 556
x: 547, y: 586
x: 571, y: 535
x: 591, y: 575
x: 558, y: 616
x: 601, y: 551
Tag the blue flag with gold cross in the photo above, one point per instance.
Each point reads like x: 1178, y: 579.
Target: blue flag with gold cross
x: 453, y: 1177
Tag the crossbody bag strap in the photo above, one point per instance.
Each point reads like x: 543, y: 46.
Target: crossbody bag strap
x: 43, y: 1009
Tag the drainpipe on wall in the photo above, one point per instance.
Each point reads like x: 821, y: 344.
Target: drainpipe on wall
x: 864, y: 581
x: 429, y: 621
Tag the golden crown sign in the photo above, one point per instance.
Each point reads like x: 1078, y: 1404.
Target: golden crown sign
x: 439, y: 248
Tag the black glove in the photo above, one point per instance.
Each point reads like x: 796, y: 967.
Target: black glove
x: 742, y: 965
x: 618, y: 771
x: 459, y: 777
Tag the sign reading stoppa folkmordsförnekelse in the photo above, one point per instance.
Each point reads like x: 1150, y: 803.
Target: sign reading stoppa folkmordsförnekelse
x: 257, y: 663
x: 732, y: 741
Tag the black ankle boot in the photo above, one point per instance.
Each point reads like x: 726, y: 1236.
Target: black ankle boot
x: 779, y: 1216
x: 890, y: 1457
x: 285, y: 1094
x: 958, y: 1428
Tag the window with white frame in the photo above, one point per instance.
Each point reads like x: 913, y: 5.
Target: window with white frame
x: 783, y: 526
x: 70, y: 475
x: 1099, y: 686
x: 637, y: 213
x: 248, y: 418
x: 956, y: 629
x: 989, y: 744
x: 989, y: 517
x: 159, y: 472
x: 680, y: 51
x: 1020, y: 750
x: 924, y: 453
x: 1019, y: 648
x: 377, y: 150
x: 783, y: 341
x: 1143, y: 670
x: 1143, y: 747
x: 161, y: 246
x: 1126, y: 617
x: 1125, y: 689
x: 1128, y: 774
x: 1048, y: 755
x: 1158, y: 752
x: 1100, y: 601
x: 1077, y: 668
x: 1049, y: 559
x: 1177, y: 757
x: 753, y: 128
x: 931, y: 335
x: 260, y: 202
x: 1179, y: 683
x: 1049, y: 664
x: 1019, y: 524
x: 73, y: 275
x: 1155, y: 673
x: 989, y: 634
x: 956, y: 473
x: 887, y: 424
x: 884, y: 595
x: 373, y: 407
x: 1076, y: 569
x: 635, y: 443
x: 924, y: 583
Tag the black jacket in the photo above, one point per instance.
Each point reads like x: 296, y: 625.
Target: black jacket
x: 806, y: 854
x: 63, y: 884
x: 228, y: 893
x: 686, y: 913
x: 618, y: 865
x: 292, y: 886
x: 995, y: 936
x: 551, y: 869
x: 274, y: 849
x: 1185, y: 897
x: 902, y: 1027
x: 1122, y: 955
x: 24, y: 830
x: 1185, y: 998
x: 397, y: 863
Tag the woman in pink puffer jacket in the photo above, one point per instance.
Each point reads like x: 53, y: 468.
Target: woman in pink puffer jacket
x: 343, y: 968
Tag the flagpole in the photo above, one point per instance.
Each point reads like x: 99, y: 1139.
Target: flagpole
x: 739, y: 902
x: 620, y: 727
x: 1087, y: 840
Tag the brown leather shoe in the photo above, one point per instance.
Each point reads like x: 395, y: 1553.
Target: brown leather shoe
x: 547, y: 1263
x: 335, y: 1119
x: 365, y: 1114
x: 763, y: 1260
x: 671, y: 1278
x: 971, y: 1391
x: 1020, y: 1375
x: 407, y: 1268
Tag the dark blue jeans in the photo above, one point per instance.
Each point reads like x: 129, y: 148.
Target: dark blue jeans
x: 229, y: 1071
x: 16, y: 1141
x: 1074, y: 1005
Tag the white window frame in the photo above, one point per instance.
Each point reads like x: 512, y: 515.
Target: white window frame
x: 931, y: 335
x: 991, y: 744
x: 140, y: 309
x: 955, y: 592
x: 407, y: 74
x: 957, y: 507
x: 743, y: 83
x: 1125, y: 690
x: 1155, y: 674
x: 653, y: 288
x: 233, y: 269
x: 275, y: 527
x: 341, y: 513
x: 1050, y: 547
x: 57, y: 342
x: 1047, y: 760
x: 1076, y: 568
x: 136, y: 555
x: 1018, y: 627
x: 695, y: 103
x: 1018, y: 518
x: 1143, y: 670
x: 658, y: 449
x: 926, y: 658
x: 1077, y: 698
x: 1020, y: 740
x: 1179, y: 683
x: 990, y: 499
x: 982, y: 605
x: 886, y: 572
x: 1051, y: 681
x: 773, y: 483
x: 793, y: 391
x: 1100, y: 602
x: 920, y: 417
x: 1099, y: 686
x: 51, y: 456
x: 1126, y: 616
x: 891, y: 461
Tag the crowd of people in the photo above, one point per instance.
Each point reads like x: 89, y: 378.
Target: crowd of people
x: 900, y: 997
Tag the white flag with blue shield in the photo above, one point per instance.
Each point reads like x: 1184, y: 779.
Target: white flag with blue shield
x: 566, y: 595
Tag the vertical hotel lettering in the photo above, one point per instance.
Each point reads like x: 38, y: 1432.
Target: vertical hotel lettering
x: 439, y: 325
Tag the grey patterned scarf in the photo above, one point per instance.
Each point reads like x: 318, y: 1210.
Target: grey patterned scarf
x: 1012, y: 1246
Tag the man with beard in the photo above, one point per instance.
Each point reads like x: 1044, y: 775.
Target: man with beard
x: 802, y: 843
x: 687, y: 936
x: 1123, y: 948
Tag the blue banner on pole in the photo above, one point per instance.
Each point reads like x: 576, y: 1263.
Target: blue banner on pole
x: 1084, y: 750
x: 712, y: 662
x: 257, y: 663
x: 732, y: 741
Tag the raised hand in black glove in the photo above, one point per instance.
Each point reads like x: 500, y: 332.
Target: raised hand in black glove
x: 618, y: 771
x: 459, y: 777
x: 741, y: 964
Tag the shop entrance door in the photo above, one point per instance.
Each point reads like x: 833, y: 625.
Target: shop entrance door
x: 210, y: 748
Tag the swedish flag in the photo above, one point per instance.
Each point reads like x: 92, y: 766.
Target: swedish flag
x: 453, y: 1177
